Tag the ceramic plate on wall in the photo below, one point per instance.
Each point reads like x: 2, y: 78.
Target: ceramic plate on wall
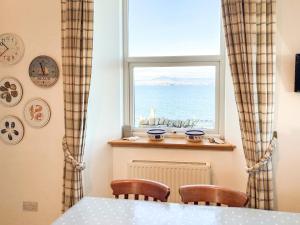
x: 43, y: 71
x: 10, y: 91
x: 37, y: 113
x: 11, y: 48
x: 11, y: 130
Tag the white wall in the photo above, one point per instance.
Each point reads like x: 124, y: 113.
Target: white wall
x: 104, y: 116
x: 32, y: 170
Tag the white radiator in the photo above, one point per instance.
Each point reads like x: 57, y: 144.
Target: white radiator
x: 173, y: 174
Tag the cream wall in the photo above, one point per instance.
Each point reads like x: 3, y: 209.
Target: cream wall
x: 288, y: 109
x: 32, y: 170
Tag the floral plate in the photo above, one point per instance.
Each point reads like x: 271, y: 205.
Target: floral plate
x: 10, y: 91
x: 11, y: 130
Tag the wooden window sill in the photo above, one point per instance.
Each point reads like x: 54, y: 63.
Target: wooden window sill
x: 172, y: 143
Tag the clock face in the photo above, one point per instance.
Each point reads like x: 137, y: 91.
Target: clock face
x: 11, y: 48
x: 43, y: 71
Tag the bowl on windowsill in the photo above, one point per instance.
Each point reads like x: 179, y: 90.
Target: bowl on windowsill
x: 156, y: 134
x: 194, y: 136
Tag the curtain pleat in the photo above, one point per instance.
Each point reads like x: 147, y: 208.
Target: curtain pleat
x: 77, y: 45
x: 250, y: 27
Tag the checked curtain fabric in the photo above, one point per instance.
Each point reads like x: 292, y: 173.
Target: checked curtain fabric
x: 250, y: 38
x: 77, y: 44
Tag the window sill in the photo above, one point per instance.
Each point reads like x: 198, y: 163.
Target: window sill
x: 172, y: 143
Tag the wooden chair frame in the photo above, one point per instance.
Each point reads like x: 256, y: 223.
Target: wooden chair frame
x: 147, y: 188
x: 212, y: 194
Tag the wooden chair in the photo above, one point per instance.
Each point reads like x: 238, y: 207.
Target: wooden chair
x: 147, y: 188
x: 212, y: 194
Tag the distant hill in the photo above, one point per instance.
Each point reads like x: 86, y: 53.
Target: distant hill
x: 173, y: 81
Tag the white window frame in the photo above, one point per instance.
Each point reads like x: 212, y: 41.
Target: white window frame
x: 204, y: 60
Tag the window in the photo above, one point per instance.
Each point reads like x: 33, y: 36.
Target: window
x: 173, y: 64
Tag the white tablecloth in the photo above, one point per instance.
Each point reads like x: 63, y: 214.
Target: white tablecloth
x: 104, y: 211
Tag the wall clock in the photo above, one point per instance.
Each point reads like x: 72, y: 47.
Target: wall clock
x: 37, y: 112
x: 43, y: 71
x: 11, y: 130
x: 11, y: 48
x: 10, y: 91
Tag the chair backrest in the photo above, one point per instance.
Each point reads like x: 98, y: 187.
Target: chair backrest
x: 147, y: 188
x: 212, y: 194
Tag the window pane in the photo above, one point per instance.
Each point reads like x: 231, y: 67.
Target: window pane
x: 182, y: 97
x: 174, y: 27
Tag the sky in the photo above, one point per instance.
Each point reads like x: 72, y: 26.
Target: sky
x: 174, y: 27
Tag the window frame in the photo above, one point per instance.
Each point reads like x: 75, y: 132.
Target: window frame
x: 164, y: 61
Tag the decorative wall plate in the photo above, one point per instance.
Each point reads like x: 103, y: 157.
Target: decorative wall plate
x: 10, y: 91
x: 11, y: 48
x: 43, y: 71
x: 11, y: 130
x: 37, y: 113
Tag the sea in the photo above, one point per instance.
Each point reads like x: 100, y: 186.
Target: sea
x: 176, y: 102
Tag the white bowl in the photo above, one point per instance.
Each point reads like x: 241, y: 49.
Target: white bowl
x: 194, y: 135
x: 156, y: 134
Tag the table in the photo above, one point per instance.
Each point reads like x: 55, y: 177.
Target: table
x: 105, y: 211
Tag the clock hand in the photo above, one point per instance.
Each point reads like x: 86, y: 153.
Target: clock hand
x: 4, y: 45
x: 43, y: 71
x: 1, y: 43
x: 3, y: 52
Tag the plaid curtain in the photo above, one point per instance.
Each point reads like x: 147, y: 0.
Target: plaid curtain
x: 77, y: 44
x: 250, y: 38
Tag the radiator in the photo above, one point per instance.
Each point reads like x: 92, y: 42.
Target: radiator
x: 173, y: 174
